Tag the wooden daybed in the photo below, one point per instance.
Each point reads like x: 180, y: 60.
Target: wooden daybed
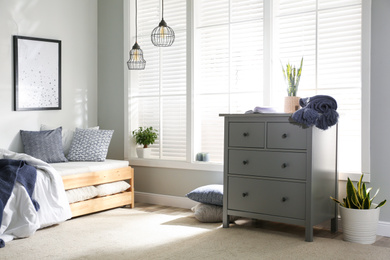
x: 101, y: 177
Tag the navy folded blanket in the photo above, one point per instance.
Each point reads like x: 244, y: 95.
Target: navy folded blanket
x: 318, y: 110
x: 10, y: 172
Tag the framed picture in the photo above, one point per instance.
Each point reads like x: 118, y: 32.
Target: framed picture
x: 37, y: 73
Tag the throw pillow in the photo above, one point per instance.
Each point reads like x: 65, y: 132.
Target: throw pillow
x: 44, y: 145
x: 207, y: 213
x: 67, y: 136
x: 112, y: 188
x: 210, y: 213
x: 80, y: 194
x: 209, y: 194
x: 90, y: 145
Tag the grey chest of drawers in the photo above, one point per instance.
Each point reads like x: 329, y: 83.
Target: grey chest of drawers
x: 279, y: 171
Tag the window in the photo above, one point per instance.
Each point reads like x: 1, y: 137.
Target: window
x: 232, y: 63
x: 158, y: 93
x: 228, y: 66
x: 328, y: 34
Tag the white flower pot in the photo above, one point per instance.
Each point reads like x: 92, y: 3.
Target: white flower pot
x: 360, y: 225
x: 144, y: 152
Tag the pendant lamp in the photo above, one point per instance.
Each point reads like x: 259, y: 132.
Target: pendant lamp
x: 136, y: 61
x: 163, y: 35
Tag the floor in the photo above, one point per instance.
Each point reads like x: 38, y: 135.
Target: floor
x: 320, y: 231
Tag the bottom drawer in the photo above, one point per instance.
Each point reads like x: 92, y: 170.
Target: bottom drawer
x: 279, y: 198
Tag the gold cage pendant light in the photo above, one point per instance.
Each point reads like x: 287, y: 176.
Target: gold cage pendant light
x: 162, y: 35
x: 136, y: 61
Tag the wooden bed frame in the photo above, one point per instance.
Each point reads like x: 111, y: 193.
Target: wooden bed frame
x: 96, y: 178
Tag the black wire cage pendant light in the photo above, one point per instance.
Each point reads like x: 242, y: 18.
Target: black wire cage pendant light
x: 136, y: 61
x: 163, y: 35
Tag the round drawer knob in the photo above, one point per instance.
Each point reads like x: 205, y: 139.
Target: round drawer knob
x: 245, y: 194
x: 284, y: 199
x: 284, y: 165
x: 245, y: 162
x: 246, y: 134
x: 284, y: 136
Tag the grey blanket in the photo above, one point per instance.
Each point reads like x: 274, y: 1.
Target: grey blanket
x: 319, y: 111
x: 10, y: 172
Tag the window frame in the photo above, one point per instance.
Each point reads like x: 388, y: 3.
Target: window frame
x: 190, y: 163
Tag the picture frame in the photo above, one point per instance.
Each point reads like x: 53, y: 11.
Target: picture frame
x: 37, y: 73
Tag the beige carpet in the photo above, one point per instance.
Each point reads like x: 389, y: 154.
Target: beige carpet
x: 153, y: 232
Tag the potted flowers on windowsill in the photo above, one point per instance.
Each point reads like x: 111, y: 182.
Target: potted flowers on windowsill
x: 144, y: 136
x: 292, y: 76
x: 359, y: 216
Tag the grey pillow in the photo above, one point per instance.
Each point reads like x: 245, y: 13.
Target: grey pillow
x: 207, y: 213
x: 209, y: 194
x: 90, y: 145
x: 210, y: 213
x: 44, y: 145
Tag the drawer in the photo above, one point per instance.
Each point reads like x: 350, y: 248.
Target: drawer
x: 247, y: 135
x: 290, y: 165
x: 286, y: 136
x: 278, y: 198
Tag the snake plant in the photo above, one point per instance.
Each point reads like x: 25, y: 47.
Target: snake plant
x: 292, y: 77
x: 359, y: 197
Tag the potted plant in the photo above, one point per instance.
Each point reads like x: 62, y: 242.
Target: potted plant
x: 292, y: 76
x: 144, y: 136
x: 359, y: 216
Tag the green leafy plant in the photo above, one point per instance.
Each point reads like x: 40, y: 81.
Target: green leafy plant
x: 359, y: 197
x: 292, y: 76
x: 145, y: 136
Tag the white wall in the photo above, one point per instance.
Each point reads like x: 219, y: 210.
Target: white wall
x: 380, y: 108
x: 111, y: 109
x: 74, y: 22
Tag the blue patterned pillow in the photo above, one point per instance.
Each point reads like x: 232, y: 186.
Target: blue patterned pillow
x: 209, y: 194
x: 44, y: 145
x: 90, y: 145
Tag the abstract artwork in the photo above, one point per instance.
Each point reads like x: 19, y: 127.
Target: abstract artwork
x: 37, y: 73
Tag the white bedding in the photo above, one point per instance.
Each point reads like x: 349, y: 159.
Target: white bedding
x: 112, y: 188
x: 89, y: 192
x: 69, y: 168
x: 19, y: 217
x: 80, y: 194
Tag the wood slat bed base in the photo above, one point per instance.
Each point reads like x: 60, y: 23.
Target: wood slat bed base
x: 102, y: 203
x: 101, y: 177
x: 95, y: 178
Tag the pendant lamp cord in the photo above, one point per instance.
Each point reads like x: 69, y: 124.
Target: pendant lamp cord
x: 136, y: 19
x: 162, y: 10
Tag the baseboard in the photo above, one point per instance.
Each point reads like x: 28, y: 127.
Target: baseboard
x: 165, y: 200
x: 186, y: 203
x: 383, y: 229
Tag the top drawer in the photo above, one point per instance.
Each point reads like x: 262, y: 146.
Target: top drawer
x: 286, y: 136
x: 246, y: 135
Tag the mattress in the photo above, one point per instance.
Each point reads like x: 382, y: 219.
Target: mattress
x: 89, y: 192
x: 69, y: 168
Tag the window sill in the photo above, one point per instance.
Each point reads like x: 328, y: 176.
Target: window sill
x: 218, y: 167
x: 200, y: 166
x: 354, y: 176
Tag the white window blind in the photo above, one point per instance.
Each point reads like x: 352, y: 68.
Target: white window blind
x: 232, y: 41
x: 228, y: 66
x: 327, y: 33
x: 158, y: 93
